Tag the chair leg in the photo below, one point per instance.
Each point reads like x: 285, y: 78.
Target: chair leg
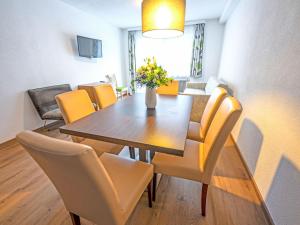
x: 75, y: 219
x: 149, y: 195
x: 154, y: 186
x: 132, y: 152
x: 203, y: 198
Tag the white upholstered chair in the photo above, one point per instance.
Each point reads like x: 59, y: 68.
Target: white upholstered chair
x: 104, y: 190
x: 75, y: 105
x: 200, y: 159
x: 197, y: 131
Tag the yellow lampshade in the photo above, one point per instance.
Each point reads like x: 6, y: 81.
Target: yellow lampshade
x: 163, y: 18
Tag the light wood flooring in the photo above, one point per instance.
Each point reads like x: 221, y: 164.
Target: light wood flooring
x: 27, y: 197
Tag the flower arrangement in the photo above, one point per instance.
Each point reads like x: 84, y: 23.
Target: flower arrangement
x: 151, y: 75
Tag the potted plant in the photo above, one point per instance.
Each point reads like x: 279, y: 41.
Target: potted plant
x: 153, y: 76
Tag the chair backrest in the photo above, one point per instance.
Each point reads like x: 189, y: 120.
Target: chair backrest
x: 211, y: 108
x: 219, y: 130
x: 171, y: 89
x: 111, y: 78
x: 78, y: 175
x: 43, y: 98
x: 75, y: 105
x: 105, y: 95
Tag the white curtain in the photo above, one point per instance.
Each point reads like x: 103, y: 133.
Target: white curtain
x: 173, y: 54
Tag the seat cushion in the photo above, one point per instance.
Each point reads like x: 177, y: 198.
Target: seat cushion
x: 194, y: 132
x: 129, y: 177
x: 54, y: 114
x: 190, y: 166
x: 193, y: 91
x: 122, y: 88
x: 100, y: 146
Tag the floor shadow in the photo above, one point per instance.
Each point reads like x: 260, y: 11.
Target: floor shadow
x: 230, y: 164
x: 250, y: 140
x: 283, y: 198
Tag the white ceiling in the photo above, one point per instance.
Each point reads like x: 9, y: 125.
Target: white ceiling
x: 127, y: 13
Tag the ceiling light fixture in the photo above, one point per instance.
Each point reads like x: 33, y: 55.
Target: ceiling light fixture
x: 163, y: 18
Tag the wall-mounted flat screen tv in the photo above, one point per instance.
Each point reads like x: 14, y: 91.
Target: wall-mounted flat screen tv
x: 89, y: 48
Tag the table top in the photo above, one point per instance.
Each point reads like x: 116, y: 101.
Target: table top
x: 130, y: 123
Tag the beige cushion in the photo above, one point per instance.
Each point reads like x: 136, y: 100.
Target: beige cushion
x: 100, y: 146
x: 187, y: 167
x: 209, y: 112
x: 53, y: 114
x: 101, y: 190
x: 199, y: 103
x: 127, y: 186
x: 194, y: 132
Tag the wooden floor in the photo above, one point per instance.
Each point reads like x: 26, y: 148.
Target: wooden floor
x: 27, y: 197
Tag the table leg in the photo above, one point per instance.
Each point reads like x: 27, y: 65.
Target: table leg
x: 142, y: 155
x: 132, y: 152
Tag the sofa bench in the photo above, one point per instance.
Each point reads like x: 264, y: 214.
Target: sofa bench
x: 201, y: 93
x: 44, y: 101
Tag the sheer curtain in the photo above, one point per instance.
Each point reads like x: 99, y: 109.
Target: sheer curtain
x: 173, y: 54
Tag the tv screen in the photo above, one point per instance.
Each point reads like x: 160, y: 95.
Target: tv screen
x: 88, y: 47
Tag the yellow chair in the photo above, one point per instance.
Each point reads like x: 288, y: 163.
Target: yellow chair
x: 105, y: 95
x: 197, y: 131
x: 104, y: 190
x: 171, y: 89
x: 200, y: 159
x: 75, y: 105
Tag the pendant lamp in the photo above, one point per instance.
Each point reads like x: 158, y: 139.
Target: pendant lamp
x: 163, y: 18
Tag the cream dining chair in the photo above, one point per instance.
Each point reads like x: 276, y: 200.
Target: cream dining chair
x: 75, y: 105
x: 200, y: 159
x: 105, y: 97
x: 104, y: 190
x: 197, y: 131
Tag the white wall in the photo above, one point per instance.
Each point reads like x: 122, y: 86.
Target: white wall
x: 213, y: 42
x: 37, y: 48
x: 261, y: 62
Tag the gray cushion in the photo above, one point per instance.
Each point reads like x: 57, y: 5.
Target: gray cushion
x: 54, y: 114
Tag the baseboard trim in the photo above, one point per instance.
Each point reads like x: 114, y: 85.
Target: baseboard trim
x: 264, y: 206
x: 8, y: 143
x: 48, y: 126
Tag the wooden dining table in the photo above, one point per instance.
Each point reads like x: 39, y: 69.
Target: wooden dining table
x: 130, y: 123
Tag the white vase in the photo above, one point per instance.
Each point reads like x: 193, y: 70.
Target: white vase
x: 150, y: 98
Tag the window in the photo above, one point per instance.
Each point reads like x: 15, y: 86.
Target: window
x: 174, y: 54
